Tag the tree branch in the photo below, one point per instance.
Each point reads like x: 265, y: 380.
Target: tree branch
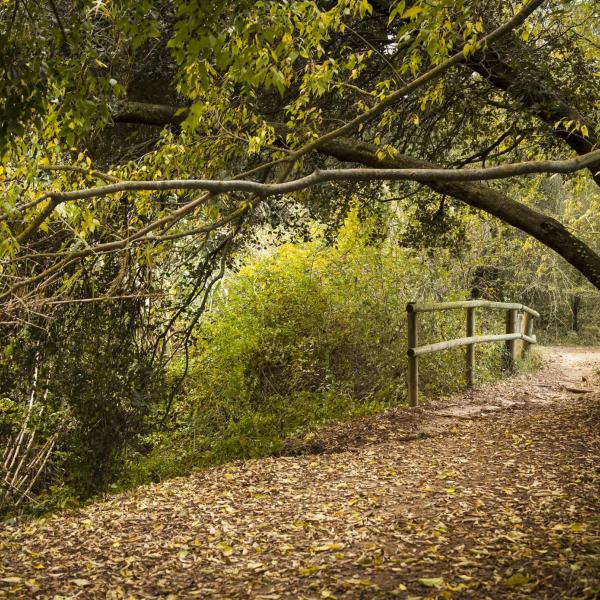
x: 421, y: 174
x: 542, y: 98
x: 545, y: 229
x: 144, y: 113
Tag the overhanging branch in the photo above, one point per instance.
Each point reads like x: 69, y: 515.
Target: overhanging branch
x: 547, y: 230
x: 423, y: 174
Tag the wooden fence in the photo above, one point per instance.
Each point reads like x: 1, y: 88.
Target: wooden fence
x: 519, y: 326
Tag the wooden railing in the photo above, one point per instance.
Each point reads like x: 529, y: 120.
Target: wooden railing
x: 519, y: 326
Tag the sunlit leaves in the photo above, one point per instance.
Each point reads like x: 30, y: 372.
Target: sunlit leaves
x: 51, y: 67
x: 269, y: 45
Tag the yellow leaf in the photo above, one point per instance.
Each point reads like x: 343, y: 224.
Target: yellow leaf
x: 309, y: 570
x: 360, y: 582
x: 433, y: 582
x: 413, y: 11
x: 327, y: 547
x: 225, y: 548
x: 517, y: 580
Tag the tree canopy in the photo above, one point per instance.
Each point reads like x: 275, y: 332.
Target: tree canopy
x: 100, y: 97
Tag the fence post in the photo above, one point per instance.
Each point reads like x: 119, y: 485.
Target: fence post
x: 527, y: 330
x: 413, y: 365
x: 511, y: 345
x: 470, y: 370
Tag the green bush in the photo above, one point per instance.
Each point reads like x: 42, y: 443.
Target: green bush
x: 304, y: 335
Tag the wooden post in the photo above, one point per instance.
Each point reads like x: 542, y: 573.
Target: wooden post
x: 527, y: 330
x: 413, y: 365
x: 470, y: 370
x: 511, y: 345
x: 519, y: 329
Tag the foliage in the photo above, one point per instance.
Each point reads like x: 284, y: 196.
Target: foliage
x: 249, y: 87
x: 306, y: 334
x: 93, y: 390
x: 502, y: 264
x: 107, y: 296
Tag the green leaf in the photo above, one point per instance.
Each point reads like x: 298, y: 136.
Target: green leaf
x: 399, y: 9
x: 413, y: 11
x: 517, y: 580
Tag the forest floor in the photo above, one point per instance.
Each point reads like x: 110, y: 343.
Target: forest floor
x: 492, y: 494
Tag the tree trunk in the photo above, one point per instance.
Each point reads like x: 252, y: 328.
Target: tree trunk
x: 575, y: 306
x: 545, y: 229
x: 537, y: 93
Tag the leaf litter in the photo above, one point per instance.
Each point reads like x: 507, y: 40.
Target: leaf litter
x: 409, y: 504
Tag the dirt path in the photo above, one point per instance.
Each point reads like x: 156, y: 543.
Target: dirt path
x: 412, y: 504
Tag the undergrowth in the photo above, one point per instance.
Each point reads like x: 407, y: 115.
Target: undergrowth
x: 305, y: 335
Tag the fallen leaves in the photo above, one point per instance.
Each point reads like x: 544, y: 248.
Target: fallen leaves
x: 327, y: 547
x: 517, y: 580
x: 432, y: 582
x: 496, y: 507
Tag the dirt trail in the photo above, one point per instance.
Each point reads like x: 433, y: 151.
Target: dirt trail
x: 500, y: 501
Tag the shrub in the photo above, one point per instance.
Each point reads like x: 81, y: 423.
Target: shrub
x: 302, y: 335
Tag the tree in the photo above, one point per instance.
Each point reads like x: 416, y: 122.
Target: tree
x: 253, y: 93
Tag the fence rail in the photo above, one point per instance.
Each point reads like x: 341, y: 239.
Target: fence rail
x: 414, y: 307
x: 519, y: 326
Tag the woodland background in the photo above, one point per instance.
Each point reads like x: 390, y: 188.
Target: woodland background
x: 242, y: 321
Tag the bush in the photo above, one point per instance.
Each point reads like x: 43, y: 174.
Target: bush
x: 300, y: 336
x: 72, y: 400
